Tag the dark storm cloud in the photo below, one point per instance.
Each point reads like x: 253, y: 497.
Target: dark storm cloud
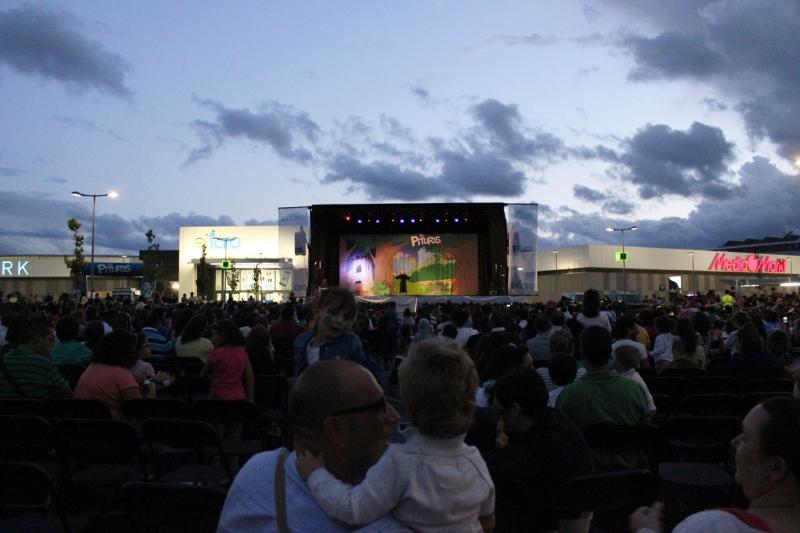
x: 764, y: 205
x: 38, y: 40
x: 618, y: 206
x: 36, y: 223
x: 255, y: 222
x: 502, y: 124
x: 462, y: 176
x: 715, y: 105
x: 276, y: 125
x: 663, y: 161
x: 746, y: 50
x: 588, y: 194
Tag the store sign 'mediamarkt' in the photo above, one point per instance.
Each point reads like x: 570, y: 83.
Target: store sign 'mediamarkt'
x: 751, y: 263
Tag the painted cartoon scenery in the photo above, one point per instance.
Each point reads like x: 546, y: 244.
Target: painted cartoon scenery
x: 414, y: 265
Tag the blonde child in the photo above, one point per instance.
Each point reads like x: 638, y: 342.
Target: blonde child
x: 626, y: 361
x: 433, y: 482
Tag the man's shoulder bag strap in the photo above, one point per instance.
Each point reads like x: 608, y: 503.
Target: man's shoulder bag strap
x: 280, y: 492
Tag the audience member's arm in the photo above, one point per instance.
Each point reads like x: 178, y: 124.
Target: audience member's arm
x: 375, y: 496
x: 575, y: 525
x: 249, y: 381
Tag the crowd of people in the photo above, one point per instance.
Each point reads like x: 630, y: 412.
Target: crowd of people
x: 494, y: 398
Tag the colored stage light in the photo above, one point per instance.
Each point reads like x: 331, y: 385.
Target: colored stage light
x: 455, y: 220
x: 402, y: 221
x: 377, y: 221
x: 347, y: 218
x: 437, y: 220
x: 360, y: 221
x: 413, y: 220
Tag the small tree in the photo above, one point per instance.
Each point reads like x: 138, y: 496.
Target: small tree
x: 257, y: 282
x: 76, y: 261
x: 233, y: 276
x: 152, y: 268
x: 202, y: 274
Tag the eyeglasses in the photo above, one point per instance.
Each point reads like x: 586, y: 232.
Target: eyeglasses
x: 379, y: 405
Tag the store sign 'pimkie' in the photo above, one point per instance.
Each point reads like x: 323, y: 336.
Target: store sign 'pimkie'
x: 751, y: 263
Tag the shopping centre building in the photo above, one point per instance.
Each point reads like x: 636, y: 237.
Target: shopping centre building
x: 659, y: 271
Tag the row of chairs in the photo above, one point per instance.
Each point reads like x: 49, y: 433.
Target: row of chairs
x: 711, y: 404
x: 717, y: 367
x: 29, y: 501
x: 677, y: 387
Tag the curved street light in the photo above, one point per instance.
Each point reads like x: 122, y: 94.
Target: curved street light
x: 94, y: 197
x: 624, y: 259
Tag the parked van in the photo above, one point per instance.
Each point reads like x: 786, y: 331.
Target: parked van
x: 126, y: 293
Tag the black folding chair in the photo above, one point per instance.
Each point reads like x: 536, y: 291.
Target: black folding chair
x: 709, y: 404
x: 28, y: 438
x: 703, y: 439
x: 183, y: 451
x: 636, y: 446
x: 97, y: 457
x: 63, y: 408
x: 611, y: 496
x: 23, y: 406
x: 767, y: 385
x: 140, y: 410
x: 272, y: 400
x: 191, y: 387
x: 28, y: 500
x: 669, y: 386
x: 713, y: 385
x: 687, y: 373
x: 71, y: 373
x: 751, y: 399
x: 172, y: 508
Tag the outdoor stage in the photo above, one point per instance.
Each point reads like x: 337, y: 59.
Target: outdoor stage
x: 410, y: 251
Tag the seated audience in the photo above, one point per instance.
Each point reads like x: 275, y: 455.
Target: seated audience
x: 69, y: 350
x: 337, y: 410
x: 562, y: 371
x: 768, y: 471
x: 26, y: 371
x: 687, y: 349
x: 258, y: 346
x: 560, y: 343
x: 626, y: 361
x: 232, y: 375
x: 192, y: 342
x: 626, y: 332
x: 417, y: 480
x: 109, y: 378
x: 544, y: 450
x: 539, y: 346
x: 662, y: 355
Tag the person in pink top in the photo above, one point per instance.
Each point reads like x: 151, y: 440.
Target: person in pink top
x: 232, y: 376
x: 109, y: 378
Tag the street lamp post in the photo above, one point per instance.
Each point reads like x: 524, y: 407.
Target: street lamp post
x: 691, y: 254
x: 624, y: 260
x: 558, y: 294
x: 94, y: 197
x: 225, y: 240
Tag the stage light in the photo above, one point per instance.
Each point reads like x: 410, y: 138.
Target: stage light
x: 455, y: 220
x: 377, y: 221
x: 402, y: 221
x: 360, y: 221
x: 347, y: 218
x: 413, y: 220
x: 437, y: 220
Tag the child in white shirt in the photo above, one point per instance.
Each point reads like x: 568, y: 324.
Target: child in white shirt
x: 433, y: 482
x: 662, y: 349
x: 626, y: 361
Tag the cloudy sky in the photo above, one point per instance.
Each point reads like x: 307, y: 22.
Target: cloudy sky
x: 680, y: 116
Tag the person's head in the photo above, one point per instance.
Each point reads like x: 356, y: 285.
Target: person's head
x: 194, y: 329
x: 450, y: 331
x: 438, y: 383
x: 225, y: 333
x: 37, y: 336
x: 337, y: 407
x: 561, y: 342
x: 626, y: 357
x: 287, y: 312
x: 595, y: 346
x: 424, y: 327
x: 664, y: 324
x: 522, y: 397
x: 685, y: 331
x: 118, y: 348
x: 591, y: 303
x: 335, y: 313
x: 504, y: 358
x: 67, y: 328
x: 748, y: 339
x: 258, y: 340
x: 543, y: 324
x: 563, y: 368
x: 625, y: 327
x: 142, y: 346
x: 779, y: 342
x: 459, y: 317
x: 768, y: 450
x: 93, y: 331
x: 122, y: 321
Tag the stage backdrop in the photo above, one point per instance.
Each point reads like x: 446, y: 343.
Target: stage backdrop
x: 429, y: 264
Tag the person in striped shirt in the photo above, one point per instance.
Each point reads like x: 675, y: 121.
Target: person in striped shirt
x: 27, y: 371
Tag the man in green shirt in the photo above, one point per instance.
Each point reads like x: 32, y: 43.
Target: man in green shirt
x: 601, y: 396
x: 28, y: 371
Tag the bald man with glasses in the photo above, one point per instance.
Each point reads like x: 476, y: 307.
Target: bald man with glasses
x: 335, y: 407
